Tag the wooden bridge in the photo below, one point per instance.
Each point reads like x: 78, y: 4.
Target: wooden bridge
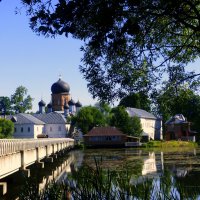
x: 17, y: 154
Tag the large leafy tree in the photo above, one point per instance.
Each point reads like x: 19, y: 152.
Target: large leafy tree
x: 136, y: 100
x: 6, y: 128
x: 87, y: 118
x: 105, y: 110
x: 128, y: 45
x: 128, y: 125
x: 5, y: 106
x: 180, y: 100
x: 21, y: 101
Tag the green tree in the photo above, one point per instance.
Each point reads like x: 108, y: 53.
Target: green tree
x: 135, y: 126
x: 20, y: 100
x: 129, y: 45
x: 5, y: 106
x: 106, y: 111
x: 136, y: 100
x: 180, y: 100
x: 128, y: 125
x: 6, y: 128
x: 87, y: 118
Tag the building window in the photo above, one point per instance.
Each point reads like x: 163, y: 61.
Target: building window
x: 50, y: 128
x: 29, y: 129
x: 59, y: 128
x: 15, y: 130
x: 22, y: 129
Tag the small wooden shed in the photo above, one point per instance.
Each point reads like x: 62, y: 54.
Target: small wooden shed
x: 105, y: 136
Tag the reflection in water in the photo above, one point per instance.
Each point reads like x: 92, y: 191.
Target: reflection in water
x: 175, y: 170
x: 56, y: 171
x: 149, y: 164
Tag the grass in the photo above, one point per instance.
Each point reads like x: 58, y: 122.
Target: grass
x: 171, y: 143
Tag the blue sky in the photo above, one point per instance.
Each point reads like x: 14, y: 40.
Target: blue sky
x: 36, y: 62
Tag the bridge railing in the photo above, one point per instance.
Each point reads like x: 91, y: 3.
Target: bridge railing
x: 9, y: 146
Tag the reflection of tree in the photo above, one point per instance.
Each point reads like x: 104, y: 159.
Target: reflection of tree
x: 99, y: 183
x: 189, y: 185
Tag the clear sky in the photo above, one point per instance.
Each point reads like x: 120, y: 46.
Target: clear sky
x: 36, y: 62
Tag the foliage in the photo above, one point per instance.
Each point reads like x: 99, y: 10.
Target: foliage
x: 169, y: 144
x: 106, y: 111
x: 6, y: 128
x: 20, y: 100
x: 136, y: 100
x: 52, y: 191
x: 129, y: 45
x: 128, y: 125
x: 135, y: 126
x: 5, y: 106
x: 98, y: 183
x: 180, y: 100
x: 87, y: 118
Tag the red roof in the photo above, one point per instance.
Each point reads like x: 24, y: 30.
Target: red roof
x: 104, y: 131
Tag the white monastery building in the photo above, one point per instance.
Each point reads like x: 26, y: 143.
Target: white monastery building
x: 152, y: 126
x: 53, y: 123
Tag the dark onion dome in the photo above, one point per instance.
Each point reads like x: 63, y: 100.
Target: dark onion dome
x: 60, y: 87
x: 71, y: 102
x: 42, y: 103
x: 66, y: 106
x: 78, y: 104
x: 49, y: 105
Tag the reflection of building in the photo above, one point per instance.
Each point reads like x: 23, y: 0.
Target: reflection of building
x: 152, y: 127
x: 178, y: 127
x: 149, y: 164
x: 152, y: 168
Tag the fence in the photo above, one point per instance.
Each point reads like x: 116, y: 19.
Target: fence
x: 9, y: 146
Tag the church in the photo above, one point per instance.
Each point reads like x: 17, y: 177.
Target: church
x: 51, y: 120
x: 61, y: 101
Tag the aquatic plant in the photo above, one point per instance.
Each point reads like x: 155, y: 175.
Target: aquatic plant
x: 98, y: 183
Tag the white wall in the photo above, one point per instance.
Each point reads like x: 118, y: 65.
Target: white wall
x: 38, y: 129
x: 148, y: 126
x: 55, y: 130
x: 27, y: 130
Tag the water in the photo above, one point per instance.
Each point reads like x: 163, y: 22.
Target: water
x: 182, y: 164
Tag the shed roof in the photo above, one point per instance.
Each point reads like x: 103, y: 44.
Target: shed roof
x: 105, y: 131
x: 51, y: 118
x: 139, y: 113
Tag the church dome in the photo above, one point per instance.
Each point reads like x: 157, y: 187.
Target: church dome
x: 78, y: 104
x: 71, y: 102
x: 60, y: 87
x: 66, y: 106
x: 42, y: 103
x: 49, y: 105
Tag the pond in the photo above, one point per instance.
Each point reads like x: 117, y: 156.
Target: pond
x: 180, y: 166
